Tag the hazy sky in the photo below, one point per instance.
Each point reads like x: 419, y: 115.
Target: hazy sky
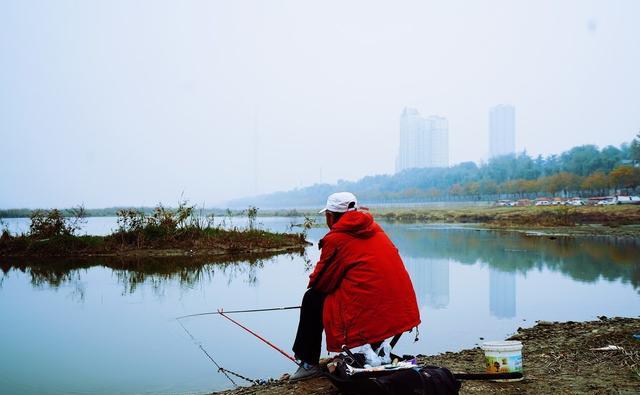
x: 133, y: 102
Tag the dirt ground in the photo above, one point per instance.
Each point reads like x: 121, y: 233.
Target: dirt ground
x: 558, y: 359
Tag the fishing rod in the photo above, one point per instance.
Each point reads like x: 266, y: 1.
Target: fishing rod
x: 239, y: 311
x: 260, y: 337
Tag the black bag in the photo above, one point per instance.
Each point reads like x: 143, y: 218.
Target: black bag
x: 426, y: 380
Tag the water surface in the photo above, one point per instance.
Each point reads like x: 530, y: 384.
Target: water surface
x: 100, y: 330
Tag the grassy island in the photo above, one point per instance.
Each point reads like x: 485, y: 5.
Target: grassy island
x: 163, y: 233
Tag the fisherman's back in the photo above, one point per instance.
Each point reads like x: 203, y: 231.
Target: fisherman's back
x: 369, y: 293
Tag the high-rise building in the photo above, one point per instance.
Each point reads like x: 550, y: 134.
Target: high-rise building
x: 502, y: 130
x: 424, y: 142
x: 438, y: 129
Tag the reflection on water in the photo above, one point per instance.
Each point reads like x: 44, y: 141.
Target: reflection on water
x: 469, y: 284
x: 502, y: 293
x: 132, y: 272
x: 426, y: 251
x: 585, y: 259
x: 430, y: 280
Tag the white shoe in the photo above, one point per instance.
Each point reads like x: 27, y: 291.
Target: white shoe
x: 306, y: 371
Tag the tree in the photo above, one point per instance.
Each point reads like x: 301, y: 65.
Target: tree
x: 472, y: 189
x: 597, y: 181
x: 456, y: 190
x: 635, y: 149
x: 488, y: 187
x: 625, y: 177
x: 569, y: 182
x: 552, y: 184
x: 582, y: 160
x: 610, y: 157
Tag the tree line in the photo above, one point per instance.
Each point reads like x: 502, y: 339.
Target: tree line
x: 583, y: 171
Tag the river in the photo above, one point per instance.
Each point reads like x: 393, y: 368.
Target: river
x: 97, y: 330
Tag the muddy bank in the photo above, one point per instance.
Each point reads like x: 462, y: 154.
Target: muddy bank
x: 558, y: 359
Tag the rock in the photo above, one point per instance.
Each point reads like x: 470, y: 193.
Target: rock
x: 545, y: 323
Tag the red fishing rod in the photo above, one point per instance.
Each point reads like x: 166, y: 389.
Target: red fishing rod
x: 260, y: 337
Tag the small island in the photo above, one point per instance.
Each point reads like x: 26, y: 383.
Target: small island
x: 179, y: 232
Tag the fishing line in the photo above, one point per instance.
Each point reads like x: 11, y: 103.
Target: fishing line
x: 239, y: 311
x: 220, y: 368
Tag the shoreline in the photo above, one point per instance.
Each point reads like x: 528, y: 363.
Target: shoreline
x: 617, y: 221
x: 195, y: 242
x: 166, y: 253
x: 558, y: 358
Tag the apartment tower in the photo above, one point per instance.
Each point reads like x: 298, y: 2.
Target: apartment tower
x: 502, y: 130
x: 424, y: 142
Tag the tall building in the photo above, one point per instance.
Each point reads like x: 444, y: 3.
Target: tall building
x: 424, y: 142
x: 502, y: 130
x: 438, y: 128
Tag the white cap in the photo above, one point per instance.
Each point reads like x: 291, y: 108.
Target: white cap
x: 339, y: 202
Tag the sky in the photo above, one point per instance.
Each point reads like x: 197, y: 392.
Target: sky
x: 107, y: 103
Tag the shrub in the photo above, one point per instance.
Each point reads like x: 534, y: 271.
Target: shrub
x: 49, y: 223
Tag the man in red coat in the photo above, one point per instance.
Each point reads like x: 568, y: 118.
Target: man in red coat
x: 359, y: 292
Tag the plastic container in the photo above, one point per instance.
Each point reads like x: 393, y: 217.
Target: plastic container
x: 503, y: 357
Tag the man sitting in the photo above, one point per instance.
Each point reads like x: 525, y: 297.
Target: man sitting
x: 359, y: 292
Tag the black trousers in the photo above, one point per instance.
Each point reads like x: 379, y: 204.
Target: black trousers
x: 309, y: 336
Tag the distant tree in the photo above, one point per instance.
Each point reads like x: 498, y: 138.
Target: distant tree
x: 531, y: 186
x: 488, y: 187
x: 552, y: 184
x: 582, y: 160
x: 610, y: 157
x: 434, y: 193
x: 597, y: 181
x: 635, y: 149
x: 552, y: 165
x: 569, y: 182
x: 625, y: 177
x: 510, y: 187
x: 472, y: 189
x: 456, y: 190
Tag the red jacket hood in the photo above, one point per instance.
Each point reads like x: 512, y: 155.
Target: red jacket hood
x: 356, y: 223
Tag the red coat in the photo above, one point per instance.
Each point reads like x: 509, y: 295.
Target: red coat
x: 369, y: 293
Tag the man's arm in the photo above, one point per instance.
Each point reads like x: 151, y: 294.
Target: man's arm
x: 328, y: 271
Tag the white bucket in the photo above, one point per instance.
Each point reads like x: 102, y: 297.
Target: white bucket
x: 503, y: 357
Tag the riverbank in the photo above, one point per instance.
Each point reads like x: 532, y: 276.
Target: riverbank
x: 623, y: 221
x: 559, y: 358
x: 617, y: 221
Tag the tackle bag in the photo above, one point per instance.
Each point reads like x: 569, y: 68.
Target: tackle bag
x: 420, y: 380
